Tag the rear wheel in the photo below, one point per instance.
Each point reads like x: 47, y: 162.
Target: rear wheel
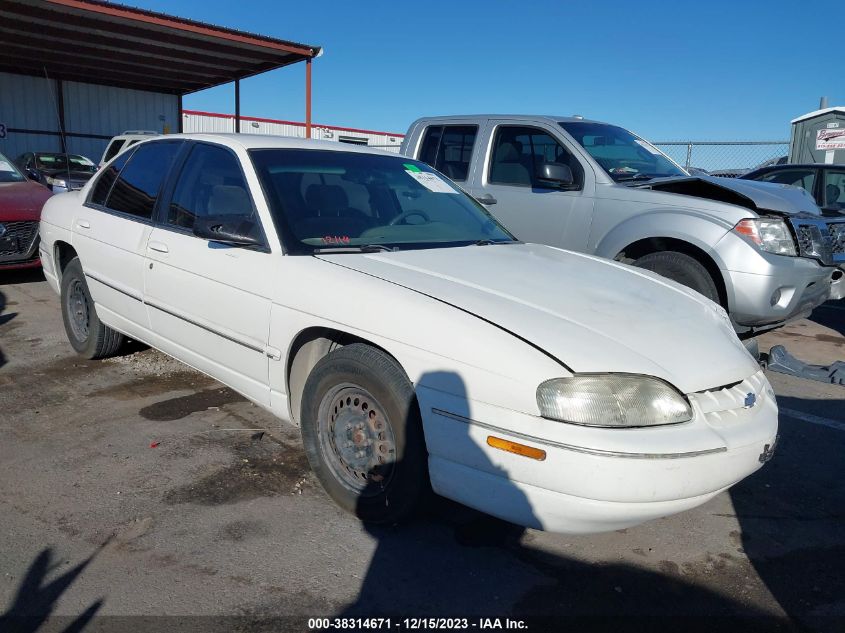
x: 86, y: 333
x: 683, y: 269
x: 363, y: 435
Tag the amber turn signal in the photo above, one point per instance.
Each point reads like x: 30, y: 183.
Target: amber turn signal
x: 517, y: 449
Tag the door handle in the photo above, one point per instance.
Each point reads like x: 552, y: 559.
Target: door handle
x: 486, y: 199
x: 158, y: 247
x: 83, y: 224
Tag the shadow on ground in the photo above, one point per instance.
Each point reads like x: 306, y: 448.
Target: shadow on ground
x: 792, y: 517
x: 5, y: 317
x: 14, y: 277
x: 457, y: 562
x: 27, y: 276
x: 832, y: 315
x: 37, y: 596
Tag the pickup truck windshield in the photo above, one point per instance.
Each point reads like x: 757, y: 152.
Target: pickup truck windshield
x: 624, y: 156
x: 325, y: 200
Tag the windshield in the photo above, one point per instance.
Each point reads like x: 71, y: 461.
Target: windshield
x: 624, y: 156
x: 60, y: 161
x: 8, y: 172
x: 324, y: 200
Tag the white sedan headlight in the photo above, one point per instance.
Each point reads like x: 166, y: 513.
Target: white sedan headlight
x: 612, y: 400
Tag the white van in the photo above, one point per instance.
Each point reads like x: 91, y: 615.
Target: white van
x: 121, y: 142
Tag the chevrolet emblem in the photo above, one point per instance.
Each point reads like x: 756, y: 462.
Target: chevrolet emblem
x: 750, y: 400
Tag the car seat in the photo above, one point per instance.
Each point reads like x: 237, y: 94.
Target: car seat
x: 508, y: 167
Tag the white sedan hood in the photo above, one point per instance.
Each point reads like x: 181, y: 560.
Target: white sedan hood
x: 591, y: 314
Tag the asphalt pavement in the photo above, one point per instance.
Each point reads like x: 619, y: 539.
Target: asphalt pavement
x: 137, y: 494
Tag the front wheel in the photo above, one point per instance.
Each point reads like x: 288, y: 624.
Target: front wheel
x: 363, y: 435
x: 683, y: 269
x: 86, y: 333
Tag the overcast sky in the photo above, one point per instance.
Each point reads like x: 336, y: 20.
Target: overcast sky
x: 711, y: 70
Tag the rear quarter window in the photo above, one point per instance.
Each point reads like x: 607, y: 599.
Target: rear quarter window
x: 448, y: 148
x: 106, y: 179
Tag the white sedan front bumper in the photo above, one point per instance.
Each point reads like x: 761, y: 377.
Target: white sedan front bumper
x: 589, y: 485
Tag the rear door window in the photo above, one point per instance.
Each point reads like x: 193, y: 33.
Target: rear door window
x: 449, y: 149
x: 136, y: 188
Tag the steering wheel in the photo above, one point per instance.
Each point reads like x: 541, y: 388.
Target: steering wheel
x: 407, y: 214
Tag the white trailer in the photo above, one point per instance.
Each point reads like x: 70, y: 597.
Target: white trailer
x: 196, y: 121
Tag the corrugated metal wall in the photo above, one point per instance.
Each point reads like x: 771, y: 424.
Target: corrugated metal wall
x: 93, y: 114
x: 107, y: 111
x: 27, y: 103
x: 210, y: 122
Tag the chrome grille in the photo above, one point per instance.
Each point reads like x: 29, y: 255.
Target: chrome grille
x: 814, y: 239
x: 23, y: 234
x: 836, y: 230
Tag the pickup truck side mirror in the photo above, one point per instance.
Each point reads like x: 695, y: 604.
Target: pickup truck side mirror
x: 31, y: 174
x: 555, y: 175
x: 228, y: 229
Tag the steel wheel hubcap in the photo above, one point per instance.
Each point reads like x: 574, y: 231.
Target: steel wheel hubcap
x: 356, y: 439
x: 77, y: 307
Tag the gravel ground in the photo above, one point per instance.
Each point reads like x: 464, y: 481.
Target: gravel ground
x: 139, y: 495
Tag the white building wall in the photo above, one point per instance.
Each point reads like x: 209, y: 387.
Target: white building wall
x: 28, y: 103
x: 217, y: 123
x: 93, y: 114
x: 106, y: 111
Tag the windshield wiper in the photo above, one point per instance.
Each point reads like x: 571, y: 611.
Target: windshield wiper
x: 635, y: 177
x: 488, y: 242
x: 364, y: 248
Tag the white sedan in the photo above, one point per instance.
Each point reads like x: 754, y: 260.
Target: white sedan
x: 362, y: 296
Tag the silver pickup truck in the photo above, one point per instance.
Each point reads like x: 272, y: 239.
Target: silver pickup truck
x: 762, y: 251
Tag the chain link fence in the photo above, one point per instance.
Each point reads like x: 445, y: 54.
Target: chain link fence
x: 724, y: 158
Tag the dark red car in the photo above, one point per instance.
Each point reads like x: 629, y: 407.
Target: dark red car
x: 20, y: 210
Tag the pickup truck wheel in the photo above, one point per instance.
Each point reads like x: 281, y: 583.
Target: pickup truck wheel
x: 86, y: 333
x: 683, y: 269
x: 363, y: 434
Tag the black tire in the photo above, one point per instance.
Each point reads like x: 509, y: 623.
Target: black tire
x: 682, y: 268
x: 86, y: 333
x: 362, y: 388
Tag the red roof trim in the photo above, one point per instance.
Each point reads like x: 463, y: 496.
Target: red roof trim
x: 183, y: 25
x: 300, y: 123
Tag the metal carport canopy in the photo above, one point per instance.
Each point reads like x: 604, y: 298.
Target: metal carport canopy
x: 98, y: 42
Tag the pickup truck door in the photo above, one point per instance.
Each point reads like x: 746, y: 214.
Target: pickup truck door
x: 505, y: 160
x: 209, y: 302
x: 111, y: 229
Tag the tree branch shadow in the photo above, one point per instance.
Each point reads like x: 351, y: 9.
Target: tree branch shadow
x: 37, y: 597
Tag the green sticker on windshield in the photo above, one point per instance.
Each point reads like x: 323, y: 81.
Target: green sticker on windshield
x: 411, y: 167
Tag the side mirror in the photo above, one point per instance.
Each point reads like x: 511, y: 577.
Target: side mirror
x: 31, y: 174
x: 228, y: 229
x: 555, y: 175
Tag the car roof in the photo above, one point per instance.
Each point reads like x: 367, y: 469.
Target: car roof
x: 268, y: 141
x: 517, y: 117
